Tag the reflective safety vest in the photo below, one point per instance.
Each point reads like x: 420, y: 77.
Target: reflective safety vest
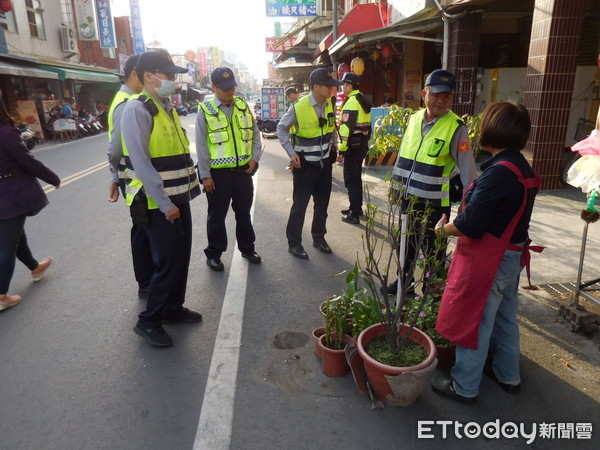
x: 229, y: 142
x: 120, y: 97
x: 424, y: 163
x: 362, y: 125
x: 312, y: 140
x: 170, y: 156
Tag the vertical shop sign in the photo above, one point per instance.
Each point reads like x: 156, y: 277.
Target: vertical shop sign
x: 202, y: 64
x: 136, y: 27
x: 85, y: 15
x: 106, y: 26
x: 272, y: 103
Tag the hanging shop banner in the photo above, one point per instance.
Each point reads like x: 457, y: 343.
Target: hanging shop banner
x: 291, y: 8
x: 85, y: 15
x: 136, y: 27
x: 272, y: 45
x: 191, y: 69
x: 106, y: 26
x: 202, y: 64
x: 272, y: 103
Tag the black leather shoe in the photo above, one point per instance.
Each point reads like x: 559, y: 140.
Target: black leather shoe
x: 351, y: 218
x: 322, y: 245
x: 183, y: 316
x: 252, y: 257
x: 512, y: 389
x: 392, y: 289
x: 143, y: 293
x: 154, y: 334
x: 298, y: 251
x: 347, y: 211
x: 215, y: 264
x: 442, y: 385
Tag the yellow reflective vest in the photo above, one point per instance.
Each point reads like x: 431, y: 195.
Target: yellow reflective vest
x: 424, y: 163
x: 120, y: 97
x: 229, y: 142
x: 170, y: 156
x: 354, y: 121
x: 313, y: 137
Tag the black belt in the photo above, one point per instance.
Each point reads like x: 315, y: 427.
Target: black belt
x: 232, y: 169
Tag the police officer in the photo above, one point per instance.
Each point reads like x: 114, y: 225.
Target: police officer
x: 435, y: 146
x: 162, y: 181
x: 143, y: 267
x: 229, y: 147
x: 355, y: 131
x: 311, y: 155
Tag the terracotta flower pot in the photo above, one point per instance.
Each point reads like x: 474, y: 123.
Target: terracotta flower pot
x: 334, y: 361
x: 316, y: 334
x: 397, y: 386
x: 347, y: 327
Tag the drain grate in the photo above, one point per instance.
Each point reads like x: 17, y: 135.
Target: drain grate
x: 558, y: 289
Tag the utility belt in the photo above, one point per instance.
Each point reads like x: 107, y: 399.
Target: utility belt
x: 140, y: 214
x: 237, y: 169
x: 358, y: 141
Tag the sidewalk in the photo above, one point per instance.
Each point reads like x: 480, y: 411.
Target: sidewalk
x: 555, y: 224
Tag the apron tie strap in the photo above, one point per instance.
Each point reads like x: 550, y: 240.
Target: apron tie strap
x: 526, y: 257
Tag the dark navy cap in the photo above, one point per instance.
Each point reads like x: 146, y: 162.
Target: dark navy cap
x: 131, y: 63
x: 351, y: 78
x: 223, y: 78
x: 440, y: 80
x: 323, y: 77
x: 158, y: 61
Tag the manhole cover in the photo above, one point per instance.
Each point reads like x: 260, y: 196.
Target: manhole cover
x: 289, y: 340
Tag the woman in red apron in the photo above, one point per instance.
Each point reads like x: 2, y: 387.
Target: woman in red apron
x: 479, y: 305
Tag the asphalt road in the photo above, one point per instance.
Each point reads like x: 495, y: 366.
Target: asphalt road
x: 75, y: 376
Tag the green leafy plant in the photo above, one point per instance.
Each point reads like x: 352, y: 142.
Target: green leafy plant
x: 388, y: 131
x: 427, y: 318
x: 335, y: 321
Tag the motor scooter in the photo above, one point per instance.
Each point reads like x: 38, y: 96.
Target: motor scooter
x: 28, y: 135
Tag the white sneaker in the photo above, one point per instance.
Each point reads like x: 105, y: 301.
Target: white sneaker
x: 39, y: 272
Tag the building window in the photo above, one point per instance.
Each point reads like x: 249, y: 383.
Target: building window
x: 35, y: 18
x: 7, y: 21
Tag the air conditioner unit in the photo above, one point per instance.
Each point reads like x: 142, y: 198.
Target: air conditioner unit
x: 67, y: 37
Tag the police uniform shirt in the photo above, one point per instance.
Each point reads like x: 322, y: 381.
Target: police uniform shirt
x: 136, y: 126
x: 115, y: 150
x: 289, y: 119
x: 201, y: 147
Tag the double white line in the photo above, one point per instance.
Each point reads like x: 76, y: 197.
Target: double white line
x: 77, y: 176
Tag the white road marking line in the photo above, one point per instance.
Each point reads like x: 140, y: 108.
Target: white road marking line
x: 76, y: 176
x: 216, y: 417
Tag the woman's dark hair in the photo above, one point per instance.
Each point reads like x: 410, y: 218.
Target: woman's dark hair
x: 505, y: 125
x: 5, y: 117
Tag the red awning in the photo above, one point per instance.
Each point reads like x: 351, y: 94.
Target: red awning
x: 365, y: 17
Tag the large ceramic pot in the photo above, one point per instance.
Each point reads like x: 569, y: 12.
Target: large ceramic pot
x: 316, y: 334
x: 397, y: 386
x: 334, y: 361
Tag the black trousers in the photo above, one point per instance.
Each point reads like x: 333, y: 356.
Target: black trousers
x: 171, y: 245
x: 235, y: 187
x: 311, y: 181
x: 353, y: 161
x: 141, y: 252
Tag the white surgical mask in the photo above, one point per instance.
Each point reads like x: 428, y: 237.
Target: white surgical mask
x: 167, y: 87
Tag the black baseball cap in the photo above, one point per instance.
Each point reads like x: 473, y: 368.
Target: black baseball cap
x: 155, y: 61
x: 323, y: 77
x: 223, y: 78
x: 351, y: 78
x: 440, y: 80
x: 131, y: 63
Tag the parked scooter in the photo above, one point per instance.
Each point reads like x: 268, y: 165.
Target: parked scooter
x: 28, y: 135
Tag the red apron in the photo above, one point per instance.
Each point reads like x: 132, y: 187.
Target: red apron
x: 472, y: 271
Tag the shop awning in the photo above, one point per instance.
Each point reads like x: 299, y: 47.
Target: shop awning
x: 24, y: 71
x: 81, y: 75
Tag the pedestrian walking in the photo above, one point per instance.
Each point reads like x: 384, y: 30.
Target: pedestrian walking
x: 229, y: 148
x: 20, y: 196
x: 161, y: 183
x: 311, y: 154
x: 355, y: 131
x: 480, y: 313
x: 141, y: 253
x: 434, y: 148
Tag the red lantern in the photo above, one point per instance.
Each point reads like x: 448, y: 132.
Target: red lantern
x: 5, y: 5
x: 342, y: 69
x: 386, y: 50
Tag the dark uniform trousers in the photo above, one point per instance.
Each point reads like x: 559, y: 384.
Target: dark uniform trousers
x: 171, y: 245
x: 353, y: 160
x: 313, y: 181
x: 235, y: 187
x: 141, y: 253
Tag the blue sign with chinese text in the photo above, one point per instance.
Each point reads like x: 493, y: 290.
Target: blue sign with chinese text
x: 105, y: 24
x: 136, y: 27
x: 291, y: 8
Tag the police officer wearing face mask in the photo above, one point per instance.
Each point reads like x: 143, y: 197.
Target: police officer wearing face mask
x: 161, y: 182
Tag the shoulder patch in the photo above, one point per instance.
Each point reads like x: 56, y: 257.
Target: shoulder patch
x: 345, y: 117
x: 463, y: 145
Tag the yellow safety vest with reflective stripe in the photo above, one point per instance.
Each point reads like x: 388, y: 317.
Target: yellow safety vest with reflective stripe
x: 312, y: 140
x: 363, y: 120
x: 170, y: 156
x: 120, y: 97
x: 229, y: 142
x: 424, y: 163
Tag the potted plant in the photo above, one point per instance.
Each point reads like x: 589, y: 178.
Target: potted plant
x: 333, y: 342
x: 398, y: 357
